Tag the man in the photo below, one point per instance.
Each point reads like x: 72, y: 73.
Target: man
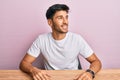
x: 60, y: 48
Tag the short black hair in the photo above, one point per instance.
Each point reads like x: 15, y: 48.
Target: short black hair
x: 56, y: 7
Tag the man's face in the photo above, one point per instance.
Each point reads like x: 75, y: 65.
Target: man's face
x: 60, y: 22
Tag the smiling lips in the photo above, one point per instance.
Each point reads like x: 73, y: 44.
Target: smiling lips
x: 65, y: 26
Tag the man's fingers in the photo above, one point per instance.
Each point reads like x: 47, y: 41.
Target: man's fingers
x: 46, y: 75
x: 76, y: 77
x: 36, y: 77
x: 84, y: 76
x: 41, y: 76
x: 88, y: 78
x: 81, y: 77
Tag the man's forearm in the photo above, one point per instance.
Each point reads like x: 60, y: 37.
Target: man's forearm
x: 95, y: 63
x: 26, y: 67
x: 95, y: 66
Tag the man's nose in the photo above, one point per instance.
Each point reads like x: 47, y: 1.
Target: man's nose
x: 65, y: 20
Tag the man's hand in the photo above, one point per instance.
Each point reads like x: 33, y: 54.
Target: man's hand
x: 95, y: 66
x: 38, y: 74
x: 84, y: 76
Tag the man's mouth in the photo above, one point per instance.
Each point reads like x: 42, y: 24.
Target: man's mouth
x: 64, y: 26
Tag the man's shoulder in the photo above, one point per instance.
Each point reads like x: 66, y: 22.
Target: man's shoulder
x: 43, y: 36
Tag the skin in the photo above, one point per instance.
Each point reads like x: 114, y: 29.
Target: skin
x: 59, y: 26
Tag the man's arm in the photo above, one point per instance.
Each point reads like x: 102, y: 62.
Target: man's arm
x: 95, y: 63
x: 26, y: 63
x: 95, y: 66
x: 26, y: 66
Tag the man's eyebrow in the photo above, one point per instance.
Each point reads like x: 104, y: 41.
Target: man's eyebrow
x: 61, y: 16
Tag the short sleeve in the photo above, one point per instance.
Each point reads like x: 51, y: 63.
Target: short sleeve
x: 85, y: 49
x: 34, y: 50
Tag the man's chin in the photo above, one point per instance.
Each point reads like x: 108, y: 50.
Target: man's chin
x: 64, y: 32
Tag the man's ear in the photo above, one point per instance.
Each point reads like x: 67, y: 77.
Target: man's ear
x: 49, y: 22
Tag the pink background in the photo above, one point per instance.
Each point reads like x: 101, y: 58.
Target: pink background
x: 21, y: 21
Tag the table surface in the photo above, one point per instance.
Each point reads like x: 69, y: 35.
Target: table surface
x: 106, y: 74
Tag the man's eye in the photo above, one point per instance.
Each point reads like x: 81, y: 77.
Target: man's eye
x: 59, y: 17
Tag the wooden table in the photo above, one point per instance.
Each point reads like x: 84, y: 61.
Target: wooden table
x: 106, y: 74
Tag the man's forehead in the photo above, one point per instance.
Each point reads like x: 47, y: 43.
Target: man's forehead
x: 62, y: 12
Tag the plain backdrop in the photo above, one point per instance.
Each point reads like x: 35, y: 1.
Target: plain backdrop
x: 21, y: 21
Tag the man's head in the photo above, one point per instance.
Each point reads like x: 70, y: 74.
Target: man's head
x: 57, y: 16
x: 54, y: 8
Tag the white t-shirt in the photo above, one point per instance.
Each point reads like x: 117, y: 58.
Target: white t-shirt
x: 60, y: 54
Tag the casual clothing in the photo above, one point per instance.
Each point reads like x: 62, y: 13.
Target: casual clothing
x: 60, y: 54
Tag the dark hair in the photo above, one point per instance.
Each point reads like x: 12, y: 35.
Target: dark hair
x: 56, y: 7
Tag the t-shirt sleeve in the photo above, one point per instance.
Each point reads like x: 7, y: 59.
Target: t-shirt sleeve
x: 34, y: 50
x: 85, y: 49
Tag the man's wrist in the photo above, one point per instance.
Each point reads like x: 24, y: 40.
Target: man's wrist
x: 91, y: 72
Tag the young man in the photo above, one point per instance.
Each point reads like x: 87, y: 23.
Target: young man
x: 60, y: 48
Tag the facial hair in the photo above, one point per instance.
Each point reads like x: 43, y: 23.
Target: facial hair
x: 58, y: 29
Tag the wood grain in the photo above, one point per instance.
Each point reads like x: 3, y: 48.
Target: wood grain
x: 106, y: 74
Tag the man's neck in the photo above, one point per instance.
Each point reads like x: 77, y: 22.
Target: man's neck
x: 58, y: 36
